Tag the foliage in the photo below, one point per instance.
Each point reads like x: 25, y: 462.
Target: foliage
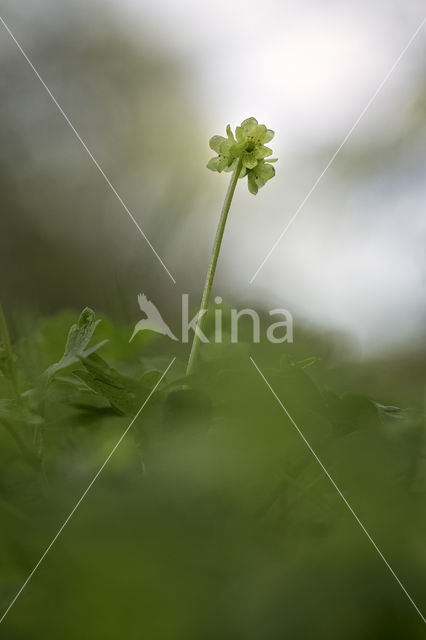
x: 212, y: 519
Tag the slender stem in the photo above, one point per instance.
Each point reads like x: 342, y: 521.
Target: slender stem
x: 212, y: 267
x: 4, y: 335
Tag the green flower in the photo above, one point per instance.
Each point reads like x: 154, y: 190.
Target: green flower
x: 260, y: 175
x: 249, y: 146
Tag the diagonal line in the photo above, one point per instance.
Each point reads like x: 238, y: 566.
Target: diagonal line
x: 78, y: 503
x: 338, y: 491
x: 333, y: 157
x: 86, y: 148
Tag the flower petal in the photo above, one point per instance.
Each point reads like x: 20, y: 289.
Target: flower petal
x: 230, y: 165
x: 250, y: 132
x: 239, y: 133
x: 213, y: 163
x: 267, y: 136
x: 249, y: 160
x: 263, y: 172
x: 263, y: 152
x: 225, y: 146
x: 224, y: 162
x: 249, y: 122
x: 235, y: 150
x: 215, y: 143
x: 229, y: 133
x: 252, y: 186
x: 247, y: 144
x: 260, y: 131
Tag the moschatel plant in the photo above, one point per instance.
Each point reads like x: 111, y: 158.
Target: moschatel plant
x: 245, y: 154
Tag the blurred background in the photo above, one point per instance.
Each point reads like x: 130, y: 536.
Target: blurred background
x: 146, y: 84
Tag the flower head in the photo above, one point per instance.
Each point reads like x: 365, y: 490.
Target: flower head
x: 249, y: 146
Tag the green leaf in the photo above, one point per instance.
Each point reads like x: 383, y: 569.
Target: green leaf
x: 123, y: 393
x: 307, y: 362
x: 77, y: 345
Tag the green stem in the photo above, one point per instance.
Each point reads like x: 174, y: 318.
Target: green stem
x: 4, y: 335
x: 212, y: 267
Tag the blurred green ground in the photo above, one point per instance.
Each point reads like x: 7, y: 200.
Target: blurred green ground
x: 213, y: 520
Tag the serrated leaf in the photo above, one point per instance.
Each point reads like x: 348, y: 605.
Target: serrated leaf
x: 122, y: 392
x: 77, y: 345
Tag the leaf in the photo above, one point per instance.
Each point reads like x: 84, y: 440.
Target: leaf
x: 307, y: 362
x: 123, y: 393
x: 77, y: 345
x: 389, y: 411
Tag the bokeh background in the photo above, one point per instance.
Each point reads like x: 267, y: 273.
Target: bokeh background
x: 213, y: 520
x: 146, y: 84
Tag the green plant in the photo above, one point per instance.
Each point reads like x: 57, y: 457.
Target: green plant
x: 245, y: 154
x: 211, y: 465
x: 213, y: 511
